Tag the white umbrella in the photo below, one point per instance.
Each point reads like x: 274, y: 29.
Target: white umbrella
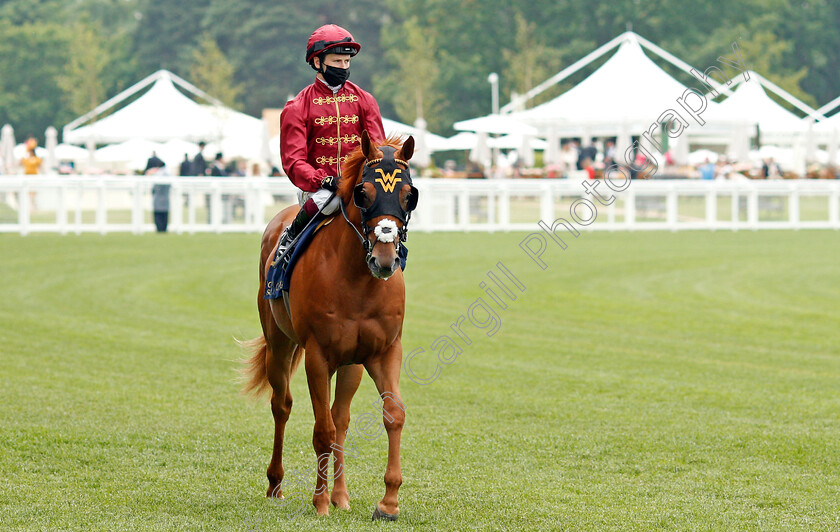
x: 517, y: 142
x: 481, y: 153
x: 500, y: 124
x: 90, y: 144
x: 421, y: 157
x: 265, y: 147
x: 699, y: 157
x: 526, y: 151
x: 172, y: 151
x: 132, y: 153
x: 50, y: 162
x: 7, y: 146
x: 68, y: 152
x: 460, y: 141
x: 20, y: 151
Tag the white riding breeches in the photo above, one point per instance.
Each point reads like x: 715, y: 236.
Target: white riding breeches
x: 320, y: 197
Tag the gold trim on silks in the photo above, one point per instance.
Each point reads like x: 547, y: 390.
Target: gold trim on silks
x: 329, y: 161
x: 347, y: 119
x: 321, y: 100
x: 347, y: 139
x: 388, y: 181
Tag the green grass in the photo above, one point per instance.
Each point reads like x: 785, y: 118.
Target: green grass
x: 643, y: 381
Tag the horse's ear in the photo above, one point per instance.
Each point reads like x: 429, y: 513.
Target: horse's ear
x: 407, y: 149
x: 366, y: 144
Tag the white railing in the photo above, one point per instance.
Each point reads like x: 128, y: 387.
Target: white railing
x: 107, y: 204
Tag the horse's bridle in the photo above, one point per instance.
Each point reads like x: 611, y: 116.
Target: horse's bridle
x: 387, y: 202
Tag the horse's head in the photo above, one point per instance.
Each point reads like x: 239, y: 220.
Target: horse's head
x: 385, y: 196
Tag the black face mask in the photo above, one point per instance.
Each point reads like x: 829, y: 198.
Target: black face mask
x: 335, y: 77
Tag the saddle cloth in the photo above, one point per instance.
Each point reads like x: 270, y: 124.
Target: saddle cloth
x: 279, y: 276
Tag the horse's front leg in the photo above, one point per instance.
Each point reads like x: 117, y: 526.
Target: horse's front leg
x: 385, y: 372
x: 346, y: 383
x: 318, y: 376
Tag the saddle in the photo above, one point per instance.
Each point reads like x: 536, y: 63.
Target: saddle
x: 279, y: 275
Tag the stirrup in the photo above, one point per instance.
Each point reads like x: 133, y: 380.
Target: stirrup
x: 282, y: 246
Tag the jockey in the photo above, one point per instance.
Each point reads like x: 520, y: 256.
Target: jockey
x: 323, y: 123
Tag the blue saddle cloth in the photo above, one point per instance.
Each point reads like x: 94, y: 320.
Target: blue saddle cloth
x: 278, y: 278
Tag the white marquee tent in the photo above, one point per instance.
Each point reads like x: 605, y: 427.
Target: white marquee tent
x: 165, y: 113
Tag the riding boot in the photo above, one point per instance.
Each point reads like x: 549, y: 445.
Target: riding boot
x: 293, y: 230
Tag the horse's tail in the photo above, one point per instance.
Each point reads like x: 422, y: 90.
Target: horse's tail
x: 255, y: 376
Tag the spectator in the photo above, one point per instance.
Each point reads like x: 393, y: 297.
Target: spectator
x: 153, y: 162
x: 160, y: 195
x: 218, y: 168
x: 31, y: 166
x: 31, y: 163
x: 707, y: 170
x: 186, y: 166
x: 568, y: 158
x: 771, y: 169
x: 590, y: 169
x: 199, y: 165
x: 609, y: 154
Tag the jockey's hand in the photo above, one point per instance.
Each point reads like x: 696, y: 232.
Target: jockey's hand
x: 330, y: 183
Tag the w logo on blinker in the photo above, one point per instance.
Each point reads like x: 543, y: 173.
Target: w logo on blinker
x: 388, y: 181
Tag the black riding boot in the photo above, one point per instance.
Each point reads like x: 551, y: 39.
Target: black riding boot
x: 293, y: 230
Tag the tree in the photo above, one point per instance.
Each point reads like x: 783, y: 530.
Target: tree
x: 31, y: 58
x: 530, y: 61
x: 82, y: 78
x: 213, y: 73
x: 412, y: 84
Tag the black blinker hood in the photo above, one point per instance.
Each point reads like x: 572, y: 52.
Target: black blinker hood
x: 388, y: 178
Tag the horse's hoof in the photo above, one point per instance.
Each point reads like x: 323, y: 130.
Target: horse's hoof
x: 341, y: 505
x: 379, y: 514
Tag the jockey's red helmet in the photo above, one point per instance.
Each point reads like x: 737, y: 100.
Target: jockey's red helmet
x: 331, y: 39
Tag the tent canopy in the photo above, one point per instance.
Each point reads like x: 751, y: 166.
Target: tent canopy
x: 433, y: 142
x: 164, y: 113
x: 750, y: 104
x: 628, y: 88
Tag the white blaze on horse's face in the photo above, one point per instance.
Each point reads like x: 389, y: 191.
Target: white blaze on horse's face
x: 386, y: 231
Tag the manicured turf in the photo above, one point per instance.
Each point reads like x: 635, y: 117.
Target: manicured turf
x: 643, y: 381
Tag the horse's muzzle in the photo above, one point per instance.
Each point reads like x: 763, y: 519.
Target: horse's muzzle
x: 383, y: 271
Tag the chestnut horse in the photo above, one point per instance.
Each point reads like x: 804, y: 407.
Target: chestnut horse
x: 344, y: 315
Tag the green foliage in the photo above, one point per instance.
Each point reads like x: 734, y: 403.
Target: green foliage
x: 213, y: 72
x: 411, y: 84
x: 429, y: 54
x: 529, y: 61
x: 82, y: 81
x: 32, y: 58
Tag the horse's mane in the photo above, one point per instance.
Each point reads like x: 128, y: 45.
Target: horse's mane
x: 351, y: 171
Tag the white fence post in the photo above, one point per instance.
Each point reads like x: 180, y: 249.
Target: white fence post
x: 793, y: 208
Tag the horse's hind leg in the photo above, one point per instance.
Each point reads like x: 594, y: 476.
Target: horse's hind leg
x: 280, y: 363
x: 347, y: 382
